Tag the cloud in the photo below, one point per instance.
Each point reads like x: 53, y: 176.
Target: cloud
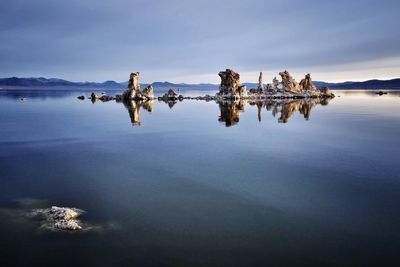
x: 187, y: 40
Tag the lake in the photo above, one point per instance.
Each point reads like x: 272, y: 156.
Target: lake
x: 197, y: 183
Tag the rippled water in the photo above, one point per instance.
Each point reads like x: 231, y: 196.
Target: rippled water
x: 198, y: 183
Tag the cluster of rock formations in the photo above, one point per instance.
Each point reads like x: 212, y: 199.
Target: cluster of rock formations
x: 59, y: 218
x: 232, y: 96
x: 133, y: 92
x: 231, y: 88
x: 289, y: 87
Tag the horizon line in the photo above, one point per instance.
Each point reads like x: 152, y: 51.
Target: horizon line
x: 48, y: 78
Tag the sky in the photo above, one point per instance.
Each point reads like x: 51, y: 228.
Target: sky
x: 191, y: 41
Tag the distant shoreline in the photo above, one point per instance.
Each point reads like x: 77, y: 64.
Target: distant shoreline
x: 60, y: 84
x: 191, y: 88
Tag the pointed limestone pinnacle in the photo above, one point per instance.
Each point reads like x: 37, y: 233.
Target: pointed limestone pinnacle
x: 134, y: 81
x: 260, y: 82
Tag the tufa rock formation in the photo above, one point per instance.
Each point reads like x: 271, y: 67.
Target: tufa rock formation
x: 325, y: 92
x: 170, y: 95
x: 306, y: 83
x: 148, y: 92
x: 230, y: 81
x: 134, y: 81
x: 275, y: 83
x: 133, y: 87
x: 171, y: 98
x: 260, y: 88
x: 230, y: 86
x: 289, y: 88
x: 133, y: 91
x: 288, y: 82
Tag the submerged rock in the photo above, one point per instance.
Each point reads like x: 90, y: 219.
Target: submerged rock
x: 67, y: 225
x: 60, y: 213
x: 59, y: 218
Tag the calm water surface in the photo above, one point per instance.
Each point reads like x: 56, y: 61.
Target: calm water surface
x: 314, y: 185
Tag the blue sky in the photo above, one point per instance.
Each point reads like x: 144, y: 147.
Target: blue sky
x: 191, y: 41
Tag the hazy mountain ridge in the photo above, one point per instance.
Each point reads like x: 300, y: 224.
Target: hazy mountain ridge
x: 370, y: 84
x: 41, y: 82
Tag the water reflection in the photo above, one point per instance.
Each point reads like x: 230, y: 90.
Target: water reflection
x: 230, y: 110
x: 171, y: 102
x: 134, y: 108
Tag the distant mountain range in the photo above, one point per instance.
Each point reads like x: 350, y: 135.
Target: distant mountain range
x: 38, y: 83
x: 370, y: 84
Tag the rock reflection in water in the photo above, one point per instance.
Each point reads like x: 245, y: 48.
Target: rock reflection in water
x: 230, y: 110
x: 171, y: 103
x: 134, y: 108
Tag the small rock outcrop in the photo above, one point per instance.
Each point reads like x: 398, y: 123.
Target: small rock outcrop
x: 106, y: 98
x: 381, y: 93
x: 93, y: 96
x: 148, y: 93
x: 170, y: 95
x: 230, y: 86
x: 325, y: 92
